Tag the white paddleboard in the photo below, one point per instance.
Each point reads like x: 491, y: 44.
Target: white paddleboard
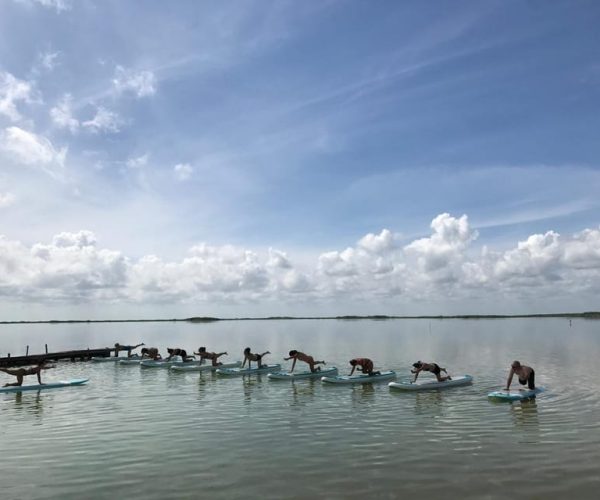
x: 203, y: 368
x: 302, y: 375
x: 248, y: 371
x: 360, y: 379
x: 428, y: 385
x: 515, y: 395
x: 49, y: 385
x: 150, y: 363
x: 131, y: 361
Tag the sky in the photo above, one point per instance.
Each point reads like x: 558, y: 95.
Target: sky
x: 265, y: 158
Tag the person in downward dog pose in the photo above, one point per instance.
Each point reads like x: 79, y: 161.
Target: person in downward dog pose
x: 178, y: 352
x: 213, y: 356
x: 525, y: 373
x: 364, y: 365
x: 151, y: 352
x: 297, y: 355
x: 248, y: 356
x: 22, y: 372
x: 430, y: 367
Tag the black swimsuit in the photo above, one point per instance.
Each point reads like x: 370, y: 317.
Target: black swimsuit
x: 530, y: 381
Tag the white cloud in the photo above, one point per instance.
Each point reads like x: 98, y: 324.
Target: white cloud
x: 31, y: 149
x: 183, y: 171
x: 104, y: 121
x: 73, y: 267
x: 62, y: 114
x: 377, y: 243
x: 58, y: 5
x: 13, y: 90
x: 141, y: 83
x: 7, y: 199
x: 137, y: 162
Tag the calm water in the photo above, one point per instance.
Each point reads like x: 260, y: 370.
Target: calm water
x: 154, y: 434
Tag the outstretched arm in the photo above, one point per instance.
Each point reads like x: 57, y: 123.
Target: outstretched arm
x: 416, y: 372
x: 353, y: 368
x: 293, y: 364
x: 510, y: 377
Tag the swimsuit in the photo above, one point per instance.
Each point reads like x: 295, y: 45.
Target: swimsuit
x: 529, y: 381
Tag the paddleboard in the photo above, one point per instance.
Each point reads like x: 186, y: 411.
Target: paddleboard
x: 515, y: 395
x: 301, y: 375
x: 360, y: 379
x: 248, y: 371
x: 112, y: 359
x: 428, y: 385
x: 150, y: 363
x: 49, y: 385
x: 128, y: 361
x: 204, y: 368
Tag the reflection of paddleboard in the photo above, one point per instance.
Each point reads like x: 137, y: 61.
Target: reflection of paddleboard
x: 360, y: 379
x: 428, y: 385
x: 131, y: 361
x: 203, y: 368
x: 49, y: 385
x: 301, y: 375
x: 515, y: 395
x: 248, y: 371
x: 113, y: 359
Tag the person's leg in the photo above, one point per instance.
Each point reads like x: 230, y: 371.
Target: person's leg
x: 259, y: 360
x: 531, y: 380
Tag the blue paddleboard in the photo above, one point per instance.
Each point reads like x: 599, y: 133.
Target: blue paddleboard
x: 515, y: 395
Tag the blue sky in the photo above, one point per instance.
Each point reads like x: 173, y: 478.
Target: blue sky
x: 245, y: 146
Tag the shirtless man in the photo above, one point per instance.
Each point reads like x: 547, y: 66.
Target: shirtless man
x: 213, y: 356
x: 178, y: 352
x: 364, y: 365
x: 248, y: 356
x: 430, y: 367
x: 151, y: 352
x: 297, y: 355
x: 525, y: 373
x: 128, y: 348
x: 21, y: 372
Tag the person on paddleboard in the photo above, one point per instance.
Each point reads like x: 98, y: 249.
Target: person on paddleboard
x: 248, y: 356
x: 297, y: 355
x: 430, y: 367
x: 213, y: 356
x: 22, y: 372
x: 178, y: 352
x: 525, y: 373
x: 151, y: 352
x: 128, y: 348
x: 364, y: 365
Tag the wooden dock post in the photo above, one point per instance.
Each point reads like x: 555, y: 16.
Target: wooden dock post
x: 27, y: 351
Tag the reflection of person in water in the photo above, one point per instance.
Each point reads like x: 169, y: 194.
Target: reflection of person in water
x: 22, y: 372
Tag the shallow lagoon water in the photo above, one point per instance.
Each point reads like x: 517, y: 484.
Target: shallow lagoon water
x: 155, y: 434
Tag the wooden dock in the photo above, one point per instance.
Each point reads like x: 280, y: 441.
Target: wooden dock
x: 76, y: 355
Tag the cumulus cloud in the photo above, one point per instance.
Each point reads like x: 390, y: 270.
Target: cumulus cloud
x: 141, y: 83
x: 74, y: 267
x: 13, y: 90
x: 32, y: 149
x: 183, y: 171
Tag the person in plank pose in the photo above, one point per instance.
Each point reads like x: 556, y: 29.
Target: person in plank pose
x: 525, y: 373
x: 297, y: 355
x: 364, y: 365
x: 213, y: 356
x: 22, y: 372
x: 178, y: 352
x: 430, y: 367
x: 248, y: 356
x: 128, y: 348
x: 151, y: 352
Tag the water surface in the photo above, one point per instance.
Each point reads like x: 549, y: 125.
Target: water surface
x: 154, y: 434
